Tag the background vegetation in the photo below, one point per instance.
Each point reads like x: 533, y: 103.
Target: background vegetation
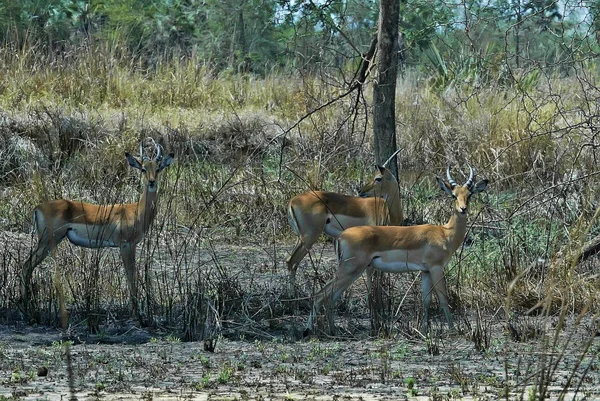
x: 252, y: 96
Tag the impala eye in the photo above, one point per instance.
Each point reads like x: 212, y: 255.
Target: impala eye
x: 378, y: 179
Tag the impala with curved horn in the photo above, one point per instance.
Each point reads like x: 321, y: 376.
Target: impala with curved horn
x: 314, y: 212
x: 425, y: 248
x: 99, y: 226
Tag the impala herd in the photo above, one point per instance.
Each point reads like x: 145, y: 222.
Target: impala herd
x: 367, y: 232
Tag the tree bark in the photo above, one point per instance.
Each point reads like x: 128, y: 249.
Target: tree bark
x: 384, y: 135
x: 384, y: 90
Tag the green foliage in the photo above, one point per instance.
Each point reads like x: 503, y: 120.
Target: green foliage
x: 478, y: 38
x: 420, y: 20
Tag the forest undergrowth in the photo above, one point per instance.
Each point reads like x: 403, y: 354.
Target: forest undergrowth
x: 244, y: 145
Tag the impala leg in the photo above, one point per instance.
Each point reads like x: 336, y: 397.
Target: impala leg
x: 303, y: 244
x: 439, y: 284
x: 128, y: 256
x: 45, y: 246
x: 319, y: 297
x: 370, y: 296
x: 426, y: 289
x: 344, y: 277
x: 308, y: 227
x: 293, y: 261
x: 369, y: 279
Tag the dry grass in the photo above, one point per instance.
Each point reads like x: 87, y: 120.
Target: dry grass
x: 66, y: 124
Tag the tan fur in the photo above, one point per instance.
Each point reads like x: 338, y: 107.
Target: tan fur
x: 426, y: 248
x: 97, y: 226
x: 315, y: 212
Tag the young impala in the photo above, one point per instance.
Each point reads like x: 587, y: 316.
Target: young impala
x: 425, y: 248
x: 98, y: 226
x: 314, y: 212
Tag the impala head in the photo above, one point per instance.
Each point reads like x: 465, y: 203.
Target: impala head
x: 462, y: 193
x: 151, y: 167
x: 383, y: 183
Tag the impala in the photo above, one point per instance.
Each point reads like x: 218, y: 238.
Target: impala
x: 98, y: 226
x: 425, y: 248
x: 314, y: 212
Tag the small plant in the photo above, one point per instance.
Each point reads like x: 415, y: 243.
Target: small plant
x: 326, y: 369
x: 225, y: 373
x: 532, y: 394
x: 411, y: 387
x: 171, y: 339
x: 281, y: 369
x: 18, y: 377
x: 59, y: 346
x: 285, y: 357
x: 320, y: 352
x: 204, y: 383
x: 399, y: 352
x: 204, y: 361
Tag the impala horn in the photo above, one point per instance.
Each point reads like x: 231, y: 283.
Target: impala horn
x: 142, y: 150
x: 158, y: 150
x: 391, y: 157
x: 469, y: 182
x: 449, y: 177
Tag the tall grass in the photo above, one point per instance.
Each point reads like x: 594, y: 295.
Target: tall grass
x: 66, y: 123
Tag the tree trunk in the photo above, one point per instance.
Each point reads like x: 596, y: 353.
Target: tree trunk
x: 384, y: 90
x: 384, y: 133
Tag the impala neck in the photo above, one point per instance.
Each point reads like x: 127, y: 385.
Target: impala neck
x: 457, y: 229
x: 394, y: 205
x: 147, y: 207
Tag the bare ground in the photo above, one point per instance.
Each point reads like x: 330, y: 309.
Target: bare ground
x: 131, y: 363
x: 333, y: 369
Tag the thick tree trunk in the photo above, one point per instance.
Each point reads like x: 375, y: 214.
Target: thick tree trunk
x: 384, y: 135
x: 384, y: 90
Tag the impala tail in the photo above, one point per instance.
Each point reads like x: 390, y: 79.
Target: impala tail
x: 34, y: 222
x: 291, y: 215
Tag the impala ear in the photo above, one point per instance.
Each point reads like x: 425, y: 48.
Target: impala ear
x: 444, y: 186
x: 479, y: 187
x: 133, y: 162
x: 166, y: 161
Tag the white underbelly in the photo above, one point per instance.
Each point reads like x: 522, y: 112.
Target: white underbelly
x: 91, y: 237
x: 399, y: 261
